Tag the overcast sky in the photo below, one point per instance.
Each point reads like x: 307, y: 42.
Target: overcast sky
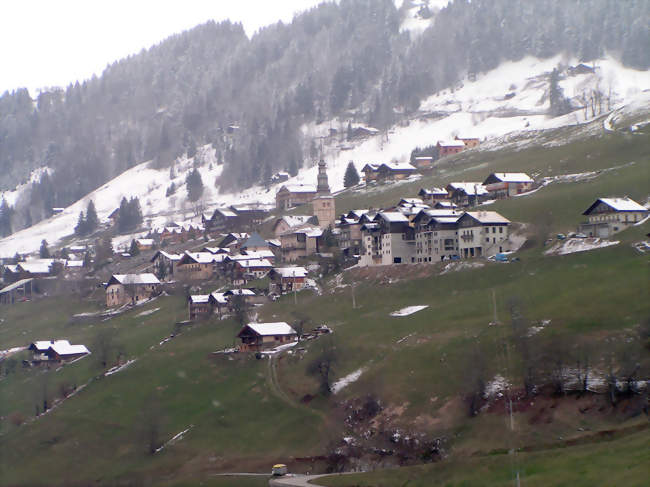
x: 55, y: 42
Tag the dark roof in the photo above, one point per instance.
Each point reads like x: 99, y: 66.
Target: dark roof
x: 255, y: 240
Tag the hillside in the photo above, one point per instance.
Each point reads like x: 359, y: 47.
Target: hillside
x: 405, y: 378
x: 478, y: 108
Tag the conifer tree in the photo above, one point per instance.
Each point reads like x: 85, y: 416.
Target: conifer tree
x: 44, y: 252
x: 351, y: 177
x: 92, y: 221
x: 194, y: 185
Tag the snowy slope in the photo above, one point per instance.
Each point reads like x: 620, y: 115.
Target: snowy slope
x: 508, y: 100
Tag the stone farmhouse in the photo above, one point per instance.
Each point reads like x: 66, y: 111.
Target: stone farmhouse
x: 131, y: 288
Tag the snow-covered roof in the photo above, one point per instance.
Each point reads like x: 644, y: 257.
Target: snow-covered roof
x: 167, y: 255
x: 274, y: 242
x: 199, y: 298
x: 258, y: 254
x: 291, y: 271
x: 255, y: 263
x: 618, y: 204
x: 15, y: 285
x: 357, y: 213
x: 126, y: 279
x: 202, y: 257
x: 37, y: 266
x: 216, y: 250
x: 411, y: 201
x: 239, y: 292
x: 299, y: 188
x: 219, y: 297
x: 445, y: 204
x: 44, y: 345
x: 294, y: 220
x: 278, y: 328
x: 393, y: 216
x: 370, y: 167
x: 486, y: 217
x: 225, y: 212
x: 446, y: 219
x: 399, y: 166
x: 74, y: 263
x: 307, y: 231
x: 451, y: 143
x: 12, y: 268
x: 63, y: 347
x: 511, y: 177
x: 469, y: 188
x: 432, y: 191
x: 144, y: 241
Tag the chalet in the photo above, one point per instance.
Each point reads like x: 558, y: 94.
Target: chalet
x: 252, y: 268
x: 114, y: 216
x: 422, y: 162
x: 144, y: 243
x: 257, y: 336
x: 74, y: 266
x: 482, y: 233
x: 175, y: 233
x: 36, y: 268
x: 394, y: 171
x: 164, y: 263
x: 199, y: 306
x: 287, y: 222
x: 470, y: 142
x: 301, y: 242
x: 252, y: 214
x: 433, y: 195
x: 287, y: 279
x: 222, y: 220
x: 216, y: 250
x: 444, y: 205
x: 131, y: 288
x: 56, y: 351
x: 361, y: 132
x: 249, y: 296
x: 291, y: 195
x: 610, y: 215
x: 370, y: 172
x: 279, y: 177
x: 10, y: 273
x: 198, y: 265
x: 233, y: 241
x: 446, y: 148
x: 219, y: 302
x: 387, y: 238
x: 467, y: 194
x: 507, y: 184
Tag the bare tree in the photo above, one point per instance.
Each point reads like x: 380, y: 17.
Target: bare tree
x: 152, y: 424
x: 322, y: 366
x: 104, y: 347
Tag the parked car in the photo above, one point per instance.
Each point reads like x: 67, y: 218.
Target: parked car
x: 561, y: 236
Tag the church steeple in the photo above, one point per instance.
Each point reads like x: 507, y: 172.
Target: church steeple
x: 323, y: 187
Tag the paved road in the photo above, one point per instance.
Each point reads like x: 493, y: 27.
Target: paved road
x: 294, y: 480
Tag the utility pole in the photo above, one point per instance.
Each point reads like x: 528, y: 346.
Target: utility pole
x: 354, y: 302
x: 295, y: 296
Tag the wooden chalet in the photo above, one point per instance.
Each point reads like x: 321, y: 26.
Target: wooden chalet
x: 56, y: 351
x: 287, y: 279
x: 258, y: 336
x: 446, y: 148
x: 507, y: 184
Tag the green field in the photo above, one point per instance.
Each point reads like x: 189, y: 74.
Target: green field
x: 244, y: 415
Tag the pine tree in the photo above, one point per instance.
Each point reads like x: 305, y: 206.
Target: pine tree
x: 194, y: 185
x: 80, y: 228
x: 351, y: 177
x: 44, y: 252
x: 6, y: 213
x: 134, y: 249
x: 92, y: 221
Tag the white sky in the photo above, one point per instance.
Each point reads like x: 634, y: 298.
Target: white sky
x: 55, y: 42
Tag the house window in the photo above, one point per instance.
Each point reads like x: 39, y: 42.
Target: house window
x: 500, y: 229
x: 397, y: 260
x: 494, y: 229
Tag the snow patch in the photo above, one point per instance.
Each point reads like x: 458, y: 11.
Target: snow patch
x: 409, y: 310
x: 118, y: 368
x: 496, y: 386
x: 572, y: 245
x: 343, y: 382
x: 148, y: 312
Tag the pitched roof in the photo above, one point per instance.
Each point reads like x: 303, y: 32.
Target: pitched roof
x: 74, y: 263
x: 294, y: 220
x: 392, y: 216
x: 63, y: 347
x: 144, y: 241
x: 199, y: 298
x: 299, y: 188
x: 469, y: 188
x: 126, y: 279
x: 15, y: 285
x: 201, y: 257
x: 239, y: 292
x: 398, y: 166
x: 36, y: 266
x: 617, y: 204
x: 451, y: 143
x: 44, y: 345
x: 432, y: 191
x: 255, y: 240
x: 166, y: 255
x: 219, y: 298
x: 486, y: 217
x: 254, y: 263
x: 266, y: 329
x: 509, y: 177
x: 291, y: 271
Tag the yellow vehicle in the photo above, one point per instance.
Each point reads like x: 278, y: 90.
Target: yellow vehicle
x: 279, y: 469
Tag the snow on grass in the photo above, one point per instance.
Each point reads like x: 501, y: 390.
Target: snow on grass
x: 572, y: 245
x: 343, y: 382
x: 148, y: 312
x: 118, y: 368
x: 12, y: 196
x: 279, y: 348
x: 11, y: 351
x: 496, y: 386
x: 461, y: 265
x: 409, y: 310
